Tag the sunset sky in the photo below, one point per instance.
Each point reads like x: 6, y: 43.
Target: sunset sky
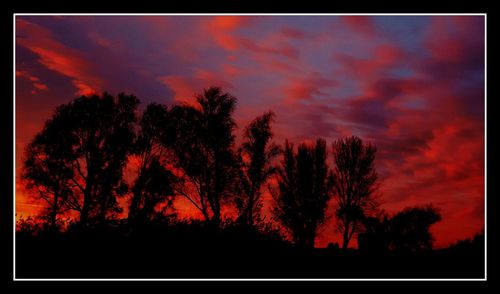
x: 412, y: 85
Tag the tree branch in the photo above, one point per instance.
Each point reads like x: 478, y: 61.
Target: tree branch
x: 78, y: 185
x: 79, y: 169
x: 182, y: 193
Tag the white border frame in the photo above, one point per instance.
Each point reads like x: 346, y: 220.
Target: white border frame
x: 245, y: 14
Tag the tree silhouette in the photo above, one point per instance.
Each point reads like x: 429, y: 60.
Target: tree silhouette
x: 47, y: 168
x: 94, y: 136
x: 154, y: 182
x: 375, y: 236
x: 354, y: 183
x: 204, y: 149
x: 77, y: 161
x: 406, y: 231
x: 304, y: 185
x: 476, y: 244
x: 259, y: 153
x: 156, y: 189
x: 410, y: 228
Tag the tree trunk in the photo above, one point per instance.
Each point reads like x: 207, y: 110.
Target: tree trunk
x: 216, y: 217
x: 104, y: 208
x: 214, y: 202
x: 250, y: 209
x: 345, y: 241
x: 311, y: 236
x: 87, y: 197
x: 53, y: 213
x: 134, y: 205
x: 137, y: 194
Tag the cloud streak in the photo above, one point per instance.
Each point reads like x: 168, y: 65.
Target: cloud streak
x: 56, y: 56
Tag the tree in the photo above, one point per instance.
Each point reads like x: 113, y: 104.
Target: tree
x: 204, y: 149
x: 375, y: 236
x: 47, y: 169
x: 406, y: 231
x: 154, y: 182
x: 304, y: 185
x: 259, y: 152
x: 94, y: 137
x: 410, y: 228
x: 156, y: 189
x: 354, y: 184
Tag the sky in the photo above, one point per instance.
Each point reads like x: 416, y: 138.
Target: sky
x: 411, y: 85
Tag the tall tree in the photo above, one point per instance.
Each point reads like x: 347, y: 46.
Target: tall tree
x: 304, y: 185
x: 97, y: 132
x: 47, y: 170
x: 258, y: 153
x: 154, y: 182
x: 204, y: 148
x: 355, y: 181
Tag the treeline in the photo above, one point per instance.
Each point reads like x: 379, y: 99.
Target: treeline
x: 77, y: 163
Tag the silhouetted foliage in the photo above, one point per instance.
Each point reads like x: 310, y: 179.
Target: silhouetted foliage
x: 154, y: 181
x: 475, y: 244
x: 204, y: 149
x: 410, y: 228
x: 77, y: 162
x: 91, y: 138
x: 48, y: 170
x: 376, y: 234
x: 258, y: 153
x: 406, y: 231
x: 168, y: 248
x: 157, y: 189
x: 354, y: 183
x: 304, y: 185
x: 28, y: 227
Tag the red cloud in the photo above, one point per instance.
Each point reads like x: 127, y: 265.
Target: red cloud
x: 384, y: 57
x: 97, y: 38
x: 306, y: 88
x: 56, y: 56
x: 229, y: 22
x: 35, y: 80
x: 457, y: 47
x: 185, y: 88
x: 221, y: 28
x: 279, y: 66
x: 293, y: 33
x: 447, y: 170
x: 230, y: 70
x: 361, y: 24
x: 284, y: 50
